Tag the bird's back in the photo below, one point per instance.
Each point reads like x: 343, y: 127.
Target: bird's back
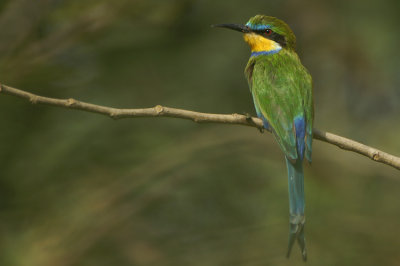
x: 282, y: 92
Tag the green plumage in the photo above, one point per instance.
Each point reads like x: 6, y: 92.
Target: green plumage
x: 282, y: 90
x: 283, y: 98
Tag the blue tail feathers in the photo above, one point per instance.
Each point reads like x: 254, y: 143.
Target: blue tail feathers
x: 296, y: 205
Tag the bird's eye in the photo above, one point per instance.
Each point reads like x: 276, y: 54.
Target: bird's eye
x: 268, y: 32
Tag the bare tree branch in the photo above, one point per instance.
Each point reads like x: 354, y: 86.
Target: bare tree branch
x: 236, y: 119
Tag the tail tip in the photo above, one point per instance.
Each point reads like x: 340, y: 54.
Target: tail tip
x: 303, y: 253
x: 297, y: 232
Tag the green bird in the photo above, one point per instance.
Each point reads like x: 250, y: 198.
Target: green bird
x: 283, y: 98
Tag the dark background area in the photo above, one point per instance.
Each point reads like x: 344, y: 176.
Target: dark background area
x: 78, y: 188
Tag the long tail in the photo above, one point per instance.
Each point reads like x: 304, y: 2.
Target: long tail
x: 296, y: 206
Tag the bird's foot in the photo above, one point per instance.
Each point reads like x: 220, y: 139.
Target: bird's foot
x: 249, y: 119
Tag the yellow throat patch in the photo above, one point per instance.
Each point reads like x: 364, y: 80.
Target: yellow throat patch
x: 260, y: 44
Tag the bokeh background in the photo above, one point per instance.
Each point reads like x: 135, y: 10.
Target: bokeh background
x: 81, y: 189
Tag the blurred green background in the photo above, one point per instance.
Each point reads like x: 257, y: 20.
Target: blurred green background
x: 81, y: 189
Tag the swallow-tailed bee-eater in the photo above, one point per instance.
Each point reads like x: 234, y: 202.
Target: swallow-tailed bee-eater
x: 283, y: 98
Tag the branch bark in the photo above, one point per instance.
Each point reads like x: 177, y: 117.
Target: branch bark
x: 198, y: 117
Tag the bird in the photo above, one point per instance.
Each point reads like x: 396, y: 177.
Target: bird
x: 282, y: 91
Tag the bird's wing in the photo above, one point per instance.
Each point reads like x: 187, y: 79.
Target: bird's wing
x: 282, y: 93
x: 309, y: 115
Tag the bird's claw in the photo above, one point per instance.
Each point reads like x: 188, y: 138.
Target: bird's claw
x: 249, y: 119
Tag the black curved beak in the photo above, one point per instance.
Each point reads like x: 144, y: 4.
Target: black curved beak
x: 236, y: 27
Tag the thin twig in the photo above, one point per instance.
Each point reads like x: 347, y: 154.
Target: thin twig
x: 236, y: 119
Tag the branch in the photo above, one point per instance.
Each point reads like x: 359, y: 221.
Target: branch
x: 236, y: 119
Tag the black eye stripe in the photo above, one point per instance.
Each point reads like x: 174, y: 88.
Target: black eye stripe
x: 259, y: 31
x: 272, y: 36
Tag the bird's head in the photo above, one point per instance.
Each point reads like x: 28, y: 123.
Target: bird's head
x: 265, y: 34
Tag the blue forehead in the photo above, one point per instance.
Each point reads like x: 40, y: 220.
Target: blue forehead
x: 258, y: 26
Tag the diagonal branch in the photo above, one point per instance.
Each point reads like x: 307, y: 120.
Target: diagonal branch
x: 236, y: 119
